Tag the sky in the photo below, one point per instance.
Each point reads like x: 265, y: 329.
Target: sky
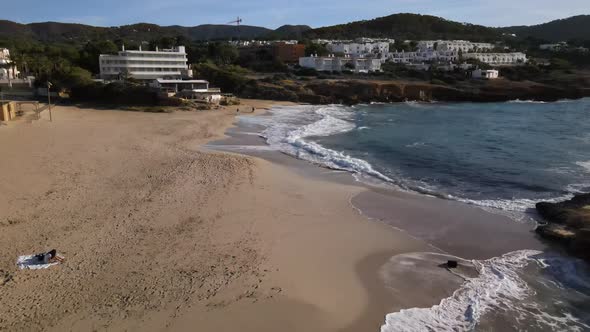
x: 274, y: 13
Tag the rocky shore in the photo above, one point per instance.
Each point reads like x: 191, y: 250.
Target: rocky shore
x: 347, y: 91
x: 568, y: 222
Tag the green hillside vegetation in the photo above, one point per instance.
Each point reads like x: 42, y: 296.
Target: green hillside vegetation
x: 68, y: 32
x: 406, y: 27
x: 576, y: 27
x: 289, y: 32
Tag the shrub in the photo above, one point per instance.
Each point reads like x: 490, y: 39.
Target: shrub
x: 230, y: 79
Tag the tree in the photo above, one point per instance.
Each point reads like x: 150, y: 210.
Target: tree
x: 91, y: 52
x: 222, y: 53
x: 316, y: 49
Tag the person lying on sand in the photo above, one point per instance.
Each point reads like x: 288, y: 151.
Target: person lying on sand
x: 49, y: 257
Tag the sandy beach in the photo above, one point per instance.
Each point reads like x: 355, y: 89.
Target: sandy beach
x: 161, y: 233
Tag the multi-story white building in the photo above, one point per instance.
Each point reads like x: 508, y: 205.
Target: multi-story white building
x: 8, y: 70
x: 453, y: 45
x: 362, y: 50
x: 424, y: 56
x: 333, y: 63
x: 498, y: 59
x: 146, y: 65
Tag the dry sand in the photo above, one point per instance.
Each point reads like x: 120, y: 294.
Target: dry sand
x: 159, y: 234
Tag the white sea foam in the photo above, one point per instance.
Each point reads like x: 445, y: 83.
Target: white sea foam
x: 499, y: 288
x: 585, y: 165
x: 289, y: 130
x: 518, y: 101
x: 416, y: 145
x: 578, y: 188
x: 515, y: 204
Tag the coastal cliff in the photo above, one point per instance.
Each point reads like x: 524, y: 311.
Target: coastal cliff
x: 366, y: 91
x: 568, y: 222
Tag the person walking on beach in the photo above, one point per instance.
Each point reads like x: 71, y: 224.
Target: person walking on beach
x: 253, y: 109
x: 238, y: 110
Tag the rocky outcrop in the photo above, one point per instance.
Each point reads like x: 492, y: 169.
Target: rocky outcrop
x: 346, y: 91
x: 569, y: 223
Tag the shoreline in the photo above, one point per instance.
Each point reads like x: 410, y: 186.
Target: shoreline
x: 458, y: 215
x: 159, y: 234
x: 196, y: 234
x: 371, y: 202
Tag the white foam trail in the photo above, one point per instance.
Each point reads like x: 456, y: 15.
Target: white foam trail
x: 498, y: 288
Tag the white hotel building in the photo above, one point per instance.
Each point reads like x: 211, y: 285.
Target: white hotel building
x: 146, y: 65
x: 423, y: 56
x: 454, y: 45
x: 498, y: 59
x: 338, y: 64
x: 361, y: 50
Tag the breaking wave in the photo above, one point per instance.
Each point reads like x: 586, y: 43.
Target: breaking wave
x: 499, y: 288
x: 296, y: 132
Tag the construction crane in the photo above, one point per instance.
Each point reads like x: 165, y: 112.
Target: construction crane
x: 237, y: 23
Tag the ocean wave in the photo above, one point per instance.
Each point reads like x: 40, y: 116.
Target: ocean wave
x: 291, y: 131
x: 585, y: 165
x: 288, y: 134
x: 578, y: 188
x: 518, y: 101
x: 516, y: 204
x: 415, y: 145
x: 498, y: 288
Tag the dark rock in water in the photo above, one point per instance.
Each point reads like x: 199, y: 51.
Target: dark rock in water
x: 452, y: 264
x: 569, y: 223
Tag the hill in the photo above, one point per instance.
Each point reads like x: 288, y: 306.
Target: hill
x: 576, y: 27
x: 397, y: 26
x: 58, y: 32
x: 290, y: 31
x: 406, y: 26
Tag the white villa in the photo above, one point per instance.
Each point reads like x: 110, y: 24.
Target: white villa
x: 485, y: 74
x: 146, y: 65
x: 454, y: 45
x: 7, y: 71
x: 498, y: 59
x: 190, y: 89
x: 334, y: 63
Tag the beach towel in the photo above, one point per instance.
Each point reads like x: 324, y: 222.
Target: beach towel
x: 32, y: 262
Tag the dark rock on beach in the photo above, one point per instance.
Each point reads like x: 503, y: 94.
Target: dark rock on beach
x: 568, y: 222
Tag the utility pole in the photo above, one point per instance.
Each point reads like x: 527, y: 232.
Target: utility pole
x: 49, y: 99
